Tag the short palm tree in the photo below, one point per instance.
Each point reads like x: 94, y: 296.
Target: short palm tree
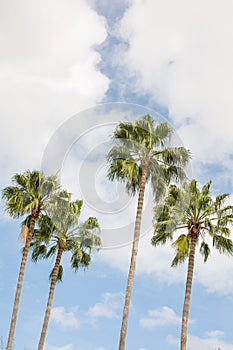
x: 32, y: 192
x: 141, y: 154
x: 196, y: 211
x: 58, y: 234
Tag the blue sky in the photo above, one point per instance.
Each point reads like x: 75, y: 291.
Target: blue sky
x: 60, y: 60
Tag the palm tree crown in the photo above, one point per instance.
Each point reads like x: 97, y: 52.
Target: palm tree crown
x: 30, y: 193
x: 194, y: 209
x: 202, y: 216
x: 142, y: 146
x: 60, y: 230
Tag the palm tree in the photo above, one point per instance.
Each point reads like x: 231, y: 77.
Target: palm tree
x: 196, y: 211
x: 32, y: 192
x: 58, y: 234
x: 139, y: 155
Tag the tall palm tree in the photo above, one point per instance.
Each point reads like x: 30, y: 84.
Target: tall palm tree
x: 201, y: 215
x: 32, y: 192
x: 58, y: 234
x: 140, y: 155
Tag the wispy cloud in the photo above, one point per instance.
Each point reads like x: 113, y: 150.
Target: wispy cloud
x: 160, y: 317
x: 188, y: 71
x: 210, y: 342
x: 53, y: 347
x: 108, y: 308
x: 46, y: 71
x: 66, y: 319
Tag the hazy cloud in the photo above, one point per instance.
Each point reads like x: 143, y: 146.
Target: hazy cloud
x: 108, y: 308
x: 49, y: 71
x: 66, y: 319
x: 160, y: 317
x: 181, y: 55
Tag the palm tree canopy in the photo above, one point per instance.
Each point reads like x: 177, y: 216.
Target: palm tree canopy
x: 60, y: 229
x: 31, y: 191
x: 142, y: 145
x: 196, y: 211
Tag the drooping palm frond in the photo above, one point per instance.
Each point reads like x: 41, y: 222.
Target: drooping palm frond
x: 205, y: 250
x: 222, y: 244
x: 59, y: 275
x: 181, y: 246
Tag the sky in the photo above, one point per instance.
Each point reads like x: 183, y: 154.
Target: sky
x: 70, y: 72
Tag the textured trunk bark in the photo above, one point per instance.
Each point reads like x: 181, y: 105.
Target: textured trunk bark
x: 133, y: 261
x: 20, y: 282
x: 189, y: 280
x: 50, y: 298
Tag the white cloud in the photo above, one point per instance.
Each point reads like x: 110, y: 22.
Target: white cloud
x: 108, y: 308
x: 156, y: 262
x: 160, y: 317
x: 65, y: 347
x: 66, y: 319
x: 214, y: 274
x: 215, y: 334
x: 209, y: 343
x: 181, y: 54
x: 49, y: 71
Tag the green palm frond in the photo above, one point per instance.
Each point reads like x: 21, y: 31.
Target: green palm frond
x: 181, y: 246
x: 205, y: 250
x: 59, y: 275
x: 220, y: 199
x: 80, y: 259
x: 175, y: 155
x: 163, y: 132
x: 208, y: 224
x: 223, y: 244
x: 51, y: 251
x: 39, y: 252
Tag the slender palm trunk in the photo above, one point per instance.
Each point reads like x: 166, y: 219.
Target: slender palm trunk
x: 50, y: 298
x: 20, y: 282
x: 133, y: 261
x: 189, y: 280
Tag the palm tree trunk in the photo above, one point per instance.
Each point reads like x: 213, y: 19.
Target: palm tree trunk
x: 50, y: 298
x: 133, y: 261
x: 20, y: 282
x: 188, y: 289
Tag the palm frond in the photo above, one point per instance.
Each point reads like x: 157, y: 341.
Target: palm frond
x: 181, y: 246
x: 205, y: 250
x: 39, y: 252
x: 59, y: 275
x: 223, y: 244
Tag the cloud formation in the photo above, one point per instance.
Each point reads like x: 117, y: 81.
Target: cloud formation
x: 164, y: 316
x: 108, y: 308
x: 65, y: 347
x: 49, y: 71
x: 208, y: 343
x: 179, y: 53
x: 66, y: 319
